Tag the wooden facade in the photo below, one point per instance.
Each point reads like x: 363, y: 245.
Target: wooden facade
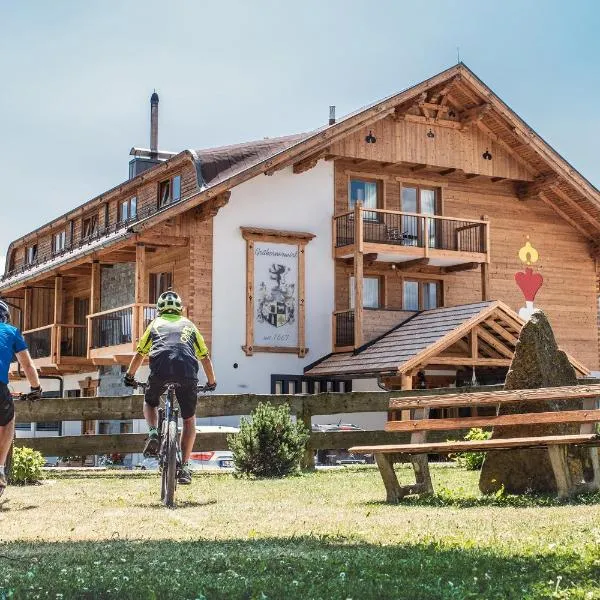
x: 454, y: 183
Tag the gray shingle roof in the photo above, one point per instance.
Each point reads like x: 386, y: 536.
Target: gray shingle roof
x: 400, y: 344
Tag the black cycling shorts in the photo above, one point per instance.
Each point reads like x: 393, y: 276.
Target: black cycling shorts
x: 7, y: 408
x: 186, y: 392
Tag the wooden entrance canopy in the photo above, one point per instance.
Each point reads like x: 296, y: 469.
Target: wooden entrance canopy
x: 472, y: 335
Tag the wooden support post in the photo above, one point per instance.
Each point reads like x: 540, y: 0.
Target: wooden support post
x: 358, y: 275
x: 58, y: 299
x: 420, y: 462
x: 558, y: 459
x: 95, y: 284
x: 308, y: 461
x: 406, y: 383
x: 474, y: 344
x: 301, y: 301
x: 28, y: 309
x: 141, y: 291
x: 485, y: 281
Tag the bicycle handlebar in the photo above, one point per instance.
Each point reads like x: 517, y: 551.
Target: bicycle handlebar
x: 143, y: 385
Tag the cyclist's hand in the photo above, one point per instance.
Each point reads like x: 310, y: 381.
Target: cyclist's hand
x: 210, y: 387
x: 35, y: 393
x: 129, y: 380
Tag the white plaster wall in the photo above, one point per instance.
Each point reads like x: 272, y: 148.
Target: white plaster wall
x: 282, y: 201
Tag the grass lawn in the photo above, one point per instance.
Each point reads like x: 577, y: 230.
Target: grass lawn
x: 321, y: 535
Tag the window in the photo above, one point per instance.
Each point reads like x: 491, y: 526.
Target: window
x: 89, y: 226
x: 421, y: 295
x: 371, y: 286
x: 59, y: 241
x: 169, y: 191
x: 159, y: 283
x: 106, y: 216
x: 368, y: 193
x: 128, y: 210
x: 423, y: 201
x: 31, y: 254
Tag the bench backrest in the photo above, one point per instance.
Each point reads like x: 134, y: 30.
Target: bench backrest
x: 421, y: 406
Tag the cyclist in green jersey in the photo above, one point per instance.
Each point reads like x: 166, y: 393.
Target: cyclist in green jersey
x: 175, y: 348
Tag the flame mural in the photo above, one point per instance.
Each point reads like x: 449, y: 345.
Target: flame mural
x: 528, y: 280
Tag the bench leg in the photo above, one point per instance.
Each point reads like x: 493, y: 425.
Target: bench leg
x: 385, y: 463
x: 558, y: 459
x: 420, y: 463
x: 594, y: 484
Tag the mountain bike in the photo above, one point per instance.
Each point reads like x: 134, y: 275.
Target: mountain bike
x: 169, y: 449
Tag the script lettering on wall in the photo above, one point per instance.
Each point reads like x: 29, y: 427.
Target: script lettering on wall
x: 275, y: 283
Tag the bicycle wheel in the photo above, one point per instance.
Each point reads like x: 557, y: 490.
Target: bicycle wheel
x: 169, y: 473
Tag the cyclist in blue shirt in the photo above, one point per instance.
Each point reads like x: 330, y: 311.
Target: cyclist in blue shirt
x: 11, y: 344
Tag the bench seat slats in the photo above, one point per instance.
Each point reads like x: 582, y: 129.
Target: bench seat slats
x: 567, y: 416
x: 486, y: 398
x: 588, y: 439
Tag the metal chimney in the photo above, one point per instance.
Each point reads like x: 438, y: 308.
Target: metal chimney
x: 154, y: 125
x: 331, y: 115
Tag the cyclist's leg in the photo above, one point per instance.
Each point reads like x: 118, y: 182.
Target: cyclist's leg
x: 151, y: 401
x: 187, y: 396
x: 7, y: 430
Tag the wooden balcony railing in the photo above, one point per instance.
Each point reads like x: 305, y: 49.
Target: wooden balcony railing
x: 57, y: 342
x: 402, y: 229
x: 119, y: 327
x: 343, y: 329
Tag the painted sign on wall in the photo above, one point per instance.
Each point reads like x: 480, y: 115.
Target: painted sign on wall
x: 275, y: 311
x: 275, y: 293
x: 528, y: 280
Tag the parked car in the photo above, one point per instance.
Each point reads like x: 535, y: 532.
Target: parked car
x: 339, y: 456
x: 207, y: 459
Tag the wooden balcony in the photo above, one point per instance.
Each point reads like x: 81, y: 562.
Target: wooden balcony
x: 394, y: 236
x: 113, y: 334
x: 373, y: 323
x: 58, y: 348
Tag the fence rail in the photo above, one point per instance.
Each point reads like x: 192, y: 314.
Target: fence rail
x: 303, y: 406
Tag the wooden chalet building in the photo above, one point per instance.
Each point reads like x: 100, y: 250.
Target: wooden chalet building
x: 382, y: 247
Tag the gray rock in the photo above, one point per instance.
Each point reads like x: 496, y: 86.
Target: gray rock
x: 537, y: 363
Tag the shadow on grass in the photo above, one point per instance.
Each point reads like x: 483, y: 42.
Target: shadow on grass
x: 4, y: 505
x: 461, y: 499
x: 178, y: 504
x: 108, y: 474
x: 304, y: 567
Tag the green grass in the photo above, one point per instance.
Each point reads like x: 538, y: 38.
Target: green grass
x: 322, y: 535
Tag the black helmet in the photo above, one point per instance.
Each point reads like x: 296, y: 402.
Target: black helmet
x: 4, y: 312
x: 169, y: 302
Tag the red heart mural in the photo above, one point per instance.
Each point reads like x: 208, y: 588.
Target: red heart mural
x: 529, y: 282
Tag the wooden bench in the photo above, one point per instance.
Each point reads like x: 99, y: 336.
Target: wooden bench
x: 420, y: 424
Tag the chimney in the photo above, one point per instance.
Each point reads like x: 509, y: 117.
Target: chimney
x: 154, y: 125
x: 331, y: 115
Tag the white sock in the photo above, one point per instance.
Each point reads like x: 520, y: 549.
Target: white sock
x: 1, y: 469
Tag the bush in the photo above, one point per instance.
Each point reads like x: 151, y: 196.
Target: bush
x: 270, y: 444
x: 26, y: 466
x: 472, y: 461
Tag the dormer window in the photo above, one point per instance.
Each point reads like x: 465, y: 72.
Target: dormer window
x: 59, y: 241
x: 31, y: 254
x: 89, y: 226
x: 169, y: 191
x: 128, y: 210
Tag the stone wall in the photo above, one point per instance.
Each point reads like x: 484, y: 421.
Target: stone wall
x: 117, y: 285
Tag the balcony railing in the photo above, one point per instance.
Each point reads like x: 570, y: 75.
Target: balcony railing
x: 57, y: 342
x: 395, y: 228
x: 40, y: 341
x: 119, y: 326
x: 100, y: 233
x: 343, y: 328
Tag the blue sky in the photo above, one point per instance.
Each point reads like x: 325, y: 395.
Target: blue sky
x: 76, y: 78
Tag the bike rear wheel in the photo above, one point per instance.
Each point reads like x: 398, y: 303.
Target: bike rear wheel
x: 169, y: 472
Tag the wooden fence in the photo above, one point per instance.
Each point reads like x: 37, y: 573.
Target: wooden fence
x: 215, y: 405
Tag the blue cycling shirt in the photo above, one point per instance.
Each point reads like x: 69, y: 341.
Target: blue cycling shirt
x: 11, y: 342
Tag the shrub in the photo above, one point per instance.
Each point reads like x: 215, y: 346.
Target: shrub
x: 472, y: 461
x: 26, y: 466
x: 270, y: 444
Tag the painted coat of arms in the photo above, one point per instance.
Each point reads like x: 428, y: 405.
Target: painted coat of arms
x: 276, y: 301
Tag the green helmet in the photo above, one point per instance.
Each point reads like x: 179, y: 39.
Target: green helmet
x: 169, y: 302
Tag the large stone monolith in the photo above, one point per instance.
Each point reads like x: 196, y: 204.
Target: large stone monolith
x: 537, y: 363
